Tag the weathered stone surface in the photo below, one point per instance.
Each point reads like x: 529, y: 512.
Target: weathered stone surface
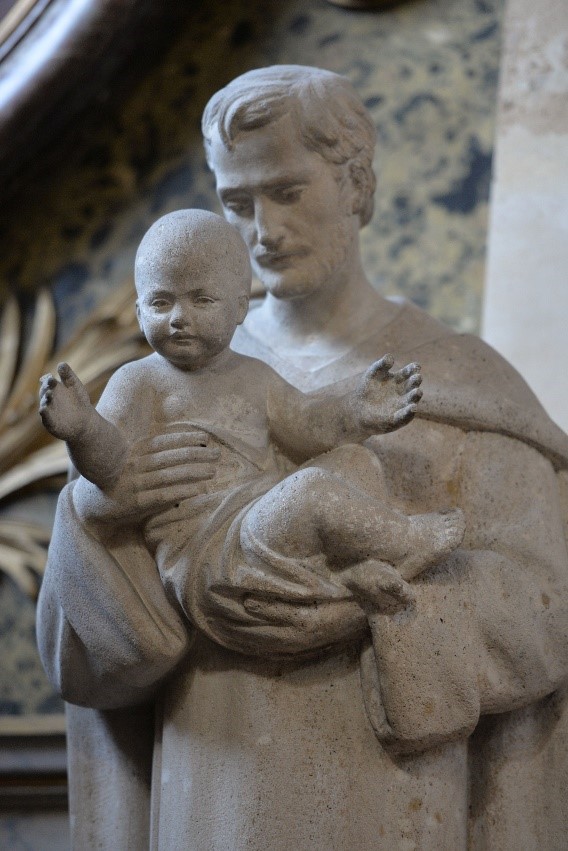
x: 236, y: 685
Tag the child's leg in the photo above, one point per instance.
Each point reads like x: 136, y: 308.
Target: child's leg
x: 315, y: 511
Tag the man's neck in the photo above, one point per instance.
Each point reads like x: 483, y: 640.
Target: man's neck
x: 324, y: 320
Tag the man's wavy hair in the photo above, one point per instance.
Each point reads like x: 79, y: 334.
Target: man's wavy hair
x: 329, y: 114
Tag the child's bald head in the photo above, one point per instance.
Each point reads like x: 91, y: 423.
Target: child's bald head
x: 194, y: 243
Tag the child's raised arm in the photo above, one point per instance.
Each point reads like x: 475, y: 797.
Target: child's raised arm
x: 376, y: 402
x: 96, y: 446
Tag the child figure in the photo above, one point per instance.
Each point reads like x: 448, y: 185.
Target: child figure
x: 192, y: 277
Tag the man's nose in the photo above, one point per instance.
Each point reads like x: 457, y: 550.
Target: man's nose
x: 269, y: 224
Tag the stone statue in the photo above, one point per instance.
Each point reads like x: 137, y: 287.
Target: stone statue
x: 193, y: 282
x: 245, y: 673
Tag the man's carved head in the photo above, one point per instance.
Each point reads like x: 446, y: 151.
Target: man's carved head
x: 329, y: 115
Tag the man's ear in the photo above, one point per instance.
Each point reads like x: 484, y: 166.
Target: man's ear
x: 363, y: 184
x: 359, y: 184
x: 243, y: 308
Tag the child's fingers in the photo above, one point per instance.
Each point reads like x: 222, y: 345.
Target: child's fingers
x: 415, y: 380
x: 413, y: 396
x: 47, y: 381
x: 404, y: 415
x: 381, y: 367
x: 45, y: 400
x: 66, y: 374
x: 406, y: 372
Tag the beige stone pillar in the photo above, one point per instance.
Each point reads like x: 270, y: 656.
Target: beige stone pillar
x: 526, y: 303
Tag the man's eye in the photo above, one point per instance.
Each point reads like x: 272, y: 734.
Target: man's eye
x: 239, y: 206
x: 288, y: 196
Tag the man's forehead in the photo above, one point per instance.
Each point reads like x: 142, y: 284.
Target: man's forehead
x: 268, y: 156
x: 263, y: 180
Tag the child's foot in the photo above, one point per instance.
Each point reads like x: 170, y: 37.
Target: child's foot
x: 378, y: 587
x: 431, y: 538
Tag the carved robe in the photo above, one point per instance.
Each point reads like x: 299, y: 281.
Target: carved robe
x: 204, y: 723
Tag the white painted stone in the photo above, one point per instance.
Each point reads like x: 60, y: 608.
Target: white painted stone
x: 526, y: 297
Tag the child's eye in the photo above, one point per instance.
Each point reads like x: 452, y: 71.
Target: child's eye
x: 159, y: 303
x: 204, y: 300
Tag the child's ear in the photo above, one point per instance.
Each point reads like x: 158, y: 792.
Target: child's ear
x: 138, y: 317
x: 243, y: 308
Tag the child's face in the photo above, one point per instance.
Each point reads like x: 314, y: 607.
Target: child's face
x: 190, y: 316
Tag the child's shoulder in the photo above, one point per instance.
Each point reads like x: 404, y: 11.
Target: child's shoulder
x: 253, y: 366
x: 136, y: 374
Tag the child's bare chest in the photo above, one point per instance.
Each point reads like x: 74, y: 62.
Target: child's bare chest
x: 222, y: 405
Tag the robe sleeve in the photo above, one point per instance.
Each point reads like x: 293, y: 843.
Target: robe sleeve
x: 107, y: 634
x: 489, y: 631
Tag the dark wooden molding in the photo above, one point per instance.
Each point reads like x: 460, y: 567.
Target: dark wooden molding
x: 33, y: 763
x: 61, y: 58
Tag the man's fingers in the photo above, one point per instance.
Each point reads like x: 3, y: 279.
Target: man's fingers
x: 188, y: 473
x: 308, y: 617
x: 169, y: 458
x: 172, y: 440
x: 156, y: 499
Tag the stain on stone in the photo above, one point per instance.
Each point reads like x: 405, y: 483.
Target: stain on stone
x: 398, y: 247
x: 71, y: 231
x: 473, y: 187
x: 144, y: 144
x: 299, y: 24
x: 51, y: 705
x: 359, y: 72
x: 175, y: 182
x: 190, y: 69
x: 404, y: 211
x: 373, y: 101
x: 100, y: 235
x: 243, y: 33
x: 69, y: 280
x: 414, y: 103
x: 97, y: 156
x: 10, y: 707
x: 487, y: 32
x: 415, y: 805
x: 484, y: 6
x: 332, y: 38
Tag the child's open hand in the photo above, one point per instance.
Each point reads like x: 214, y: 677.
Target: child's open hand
x: 64, y: 406
x: 387, y: 400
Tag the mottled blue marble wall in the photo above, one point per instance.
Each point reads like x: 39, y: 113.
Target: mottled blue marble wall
x: 427, y: 70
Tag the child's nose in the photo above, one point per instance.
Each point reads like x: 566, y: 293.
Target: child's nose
x: 179, y: 317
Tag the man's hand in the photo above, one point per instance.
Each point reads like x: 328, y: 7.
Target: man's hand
x: 65, y: 407
x: 159, y: 472
x: 383, y: 400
